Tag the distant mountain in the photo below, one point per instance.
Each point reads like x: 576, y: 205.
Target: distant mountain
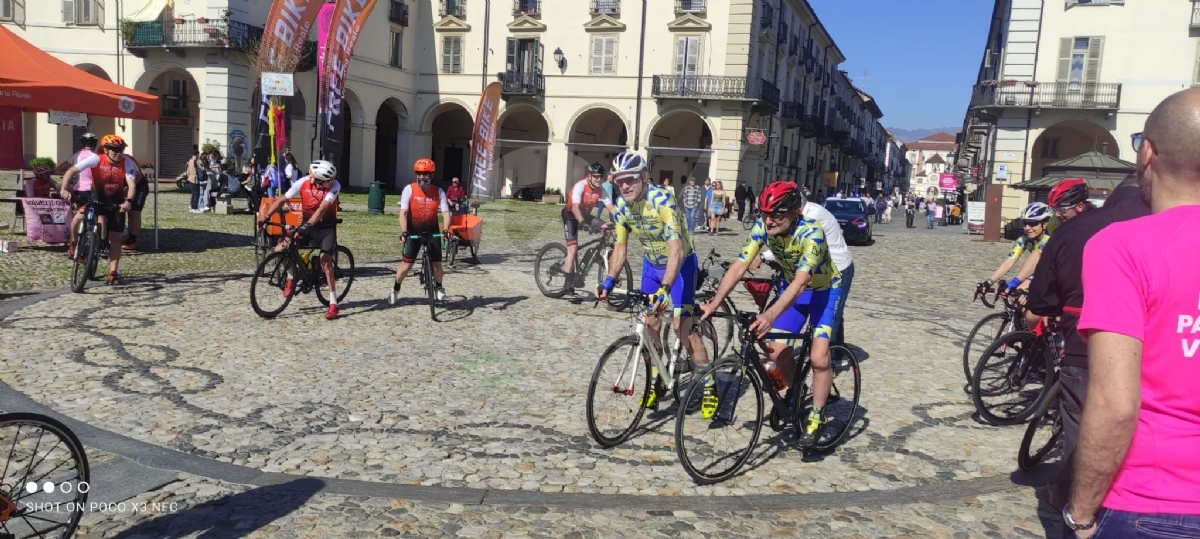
x: 913, y: 135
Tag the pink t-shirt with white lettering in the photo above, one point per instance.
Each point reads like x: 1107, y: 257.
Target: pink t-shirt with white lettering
x: 1141, y: 279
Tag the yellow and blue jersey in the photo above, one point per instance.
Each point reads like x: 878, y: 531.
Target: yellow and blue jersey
x: 655, y: 220
x: 1024, y: 243
x: 802, y: 251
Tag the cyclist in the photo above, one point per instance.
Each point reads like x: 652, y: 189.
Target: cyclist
x: 1034, y: 218
x: 811, y: 287
x: 585, y: 195
x: 318, y: 200
x: 420, y: 204
x: 669, y: 264
x: 114, y: 177
x: 81, y: 192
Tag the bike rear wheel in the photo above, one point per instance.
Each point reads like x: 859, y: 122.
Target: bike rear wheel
x: 343, y: 275
x: 990, y: 328
x: 41, y: 451
x: 83, y: 260
x: 1043, y: 432
x: 548, y: 270
x: 620, y: 384
x: 714, y: 449
x: 262, y: 246
x: 617, y: 301
x: 686, y: 367
x: 841, y: 407
x: 266, y: 287
x: 452, y: 251
x: 1011, y: 378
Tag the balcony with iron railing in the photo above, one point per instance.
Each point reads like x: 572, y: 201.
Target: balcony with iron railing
x: 691, y: 6
x: 767, y: 19
x: 527, y: 7
x: 606, y: 7
x: 715, y: 87
x: 398, y: 12
x: 767, y: 97
x: 809, y: 125
x: 791, y: 112
x: 783, y: 33
x: 794, y: 46
x: 516, y: 83
x: 194, y: 33
x: 453, y: 8
x: 1051, y: 95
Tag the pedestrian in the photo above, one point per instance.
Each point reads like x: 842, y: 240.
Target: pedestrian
x: 749, y: 201
x: 272, y: 181
x: 194, y: 172
x: 739, y: 195
x: 880, y: 204
x: 1136, y: 472
x: 701, y: 221
x: 931, y: 209
x: 693, y: 197
x: 910, y: 212
x: 716, y: 208
x: 457, y: 195
x: 291, y: 171
x: 213, y: 173
x: 887, y: 213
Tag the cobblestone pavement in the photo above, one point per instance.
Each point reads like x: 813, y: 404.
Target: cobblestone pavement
x: 493, y: 398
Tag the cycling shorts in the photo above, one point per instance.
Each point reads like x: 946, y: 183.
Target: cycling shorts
x: 683, y: 290
x: 820, y: 305
x: 116, y: 219
x: 570, y: 227
x: 323, y: 237
x: 140, y: 192
x: 412, y: 250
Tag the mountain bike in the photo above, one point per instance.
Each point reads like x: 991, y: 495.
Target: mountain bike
x: 552, y: 281
x: 45, y: 480
x: 300, y: 267
x: 992, y: 326
x: 88, y: 243
x: 1014, y: 375
x: 427, y: 240
x: 738, y: 420
x: 620, y: 384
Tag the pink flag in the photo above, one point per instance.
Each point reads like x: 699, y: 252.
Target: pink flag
x: 324, y: 19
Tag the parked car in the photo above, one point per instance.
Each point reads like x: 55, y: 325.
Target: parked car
x: 852, y: 214
x: 531, y: 192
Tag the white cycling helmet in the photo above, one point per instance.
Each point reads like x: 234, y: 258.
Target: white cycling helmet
x: 1036, y: 212
x: 323, y: 170
x: 629, y: 162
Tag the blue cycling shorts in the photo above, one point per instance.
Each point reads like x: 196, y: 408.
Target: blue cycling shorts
x: 820, y: 305
x: 683, y: 290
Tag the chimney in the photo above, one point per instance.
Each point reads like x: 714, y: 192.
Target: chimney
x: 1104, y: 148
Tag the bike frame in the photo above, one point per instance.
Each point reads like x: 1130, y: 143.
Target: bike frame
x: 600, y: 246
x: 749, y: 356
x: 666, y: 365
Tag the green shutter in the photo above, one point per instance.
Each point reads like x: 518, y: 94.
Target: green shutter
x: 1064, y: 58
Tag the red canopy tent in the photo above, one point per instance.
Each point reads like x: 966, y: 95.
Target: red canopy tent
x: 35, y: 81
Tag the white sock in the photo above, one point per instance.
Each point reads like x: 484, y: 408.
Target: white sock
x: 332, y: 298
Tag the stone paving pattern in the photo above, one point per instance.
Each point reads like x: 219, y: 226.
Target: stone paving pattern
x: 492, y: 397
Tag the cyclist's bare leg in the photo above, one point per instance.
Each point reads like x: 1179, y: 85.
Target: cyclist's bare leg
x: 694, y: 344
x: 114, y: 251
x: 655, y: 324
x: 327, y: 268
x: 402, y: 271
x: 437, y: 273
x: 822, y: 374
x: 781, y: 354
x: 569, y: 263
x: 75, y: 220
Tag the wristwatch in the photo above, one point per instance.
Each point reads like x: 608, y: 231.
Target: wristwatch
x: 1070, y: 522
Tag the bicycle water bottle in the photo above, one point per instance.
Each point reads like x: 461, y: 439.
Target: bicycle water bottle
x: 775, y: 374
x: 1060, y: 346
x: 307, y: 261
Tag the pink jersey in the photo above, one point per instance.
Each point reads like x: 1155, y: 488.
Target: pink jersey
x: 85, y: 174
x: 1141, y: 279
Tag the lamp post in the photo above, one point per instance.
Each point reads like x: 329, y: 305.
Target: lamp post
x: 559, y: 59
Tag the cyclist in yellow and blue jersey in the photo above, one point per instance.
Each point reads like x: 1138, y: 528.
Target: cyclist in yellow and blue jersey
x: 669, y: 268
x: 809, y: 291
x: 1034, y: 218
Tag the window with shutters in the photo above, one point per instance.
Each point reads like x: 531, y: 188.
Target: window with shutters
x: 6, y: 10
x: 687, y: 56
x: 1050, y: 148
x: 452, y: 54
x: 1079, y: 62
x: 396, y: 56
x: 82, y: 12
x: 604, y: 55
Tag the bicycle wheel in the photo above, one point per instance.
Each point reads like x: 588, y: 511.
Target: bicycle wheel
x: 620, y: 384
x: 343, y: 275
x: 1043, y: 432
x: 452, y: 251
x: 548, y: 270
x: 41, y: 451
x: 686, y: 367
x: 990, y: 328
x: 617, y: 301
x: 266, y: 287
x: 83, y: 260
x: 1010, y: 379
x: 714, y: 449
x: 430, y: 286
x: 262, y: 246
x: 842, y: 405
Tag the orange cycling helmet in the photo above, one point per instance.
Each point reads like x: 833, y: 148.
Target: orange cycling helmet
x: 113, y: 142
x: 424, y: 165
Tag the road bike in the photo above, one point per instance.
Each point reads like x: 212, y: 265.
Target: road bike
x: 300, y: 268
x: 621, y: 380
x: 45, y: 480
x: 749, y: 217
x: 89, y: 242
x: 428, y: 240
x: 1046, y: 424
x: 992, y: 326
x: 552, y: 281
x: 708, y: 279
x: 713, y: 450
x: 1014, y: 375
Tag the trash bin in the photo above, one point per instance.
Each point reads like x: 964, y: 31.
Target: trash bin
x: 375, y: 199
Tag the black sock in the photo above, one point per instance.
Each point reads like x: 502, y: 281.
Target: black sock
x: 395, y: 287
x: 133, y: 238
x: 437, y: 284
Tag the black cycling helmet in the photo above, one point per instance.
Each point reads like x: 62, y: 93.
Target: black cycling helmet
x: 89, y: 140
x: 596, y: 168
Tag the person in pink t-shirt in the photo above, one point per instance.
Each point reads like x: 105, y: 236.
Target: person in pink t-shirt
x: 1137, y: 470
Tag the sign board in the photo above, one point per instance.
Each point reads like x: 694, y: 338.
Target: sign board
x: 878, y: 186
x: 831, y: 179
x: 756, y: 138
x: 1001, y: 172
x: 178, y: 122
x: 947, y: 181
x: 1008, y: 156
x: 975, y: 212
x: 730, y: 145
x: 278, y: 84
x: 47, y: 220
x: 62, y: 117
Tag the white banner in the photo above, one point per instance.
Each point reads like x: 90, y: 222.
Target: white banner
x: 975, y: 212
x: 62, y: 117
x: 278, y: 84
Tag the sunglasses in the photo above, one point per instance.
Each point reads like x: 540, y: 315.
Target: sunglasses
x: 626, y: 181
x: 775, y: 216
x: 1136, y: 139
x: 1031, y: 223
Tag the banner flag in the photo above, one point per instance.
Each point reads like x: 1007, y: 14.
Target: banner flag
x: 483, y: 145
x: 348, y: 20
x: 288, y: 25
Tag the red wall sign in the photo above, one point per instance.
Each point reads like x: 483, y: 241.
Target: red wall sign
x: 12, y: 151
x: 756, y: 138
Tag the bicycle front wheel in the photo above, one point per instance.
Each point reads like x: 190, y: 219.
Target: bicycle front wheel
x: 714, y: 448
x: 1010, y: 379
x: 430, y: 286
x: 41, y: 451
x: 548, y: 270
x: 842, y: 405
x: 343, y: 275
x: 620, y: 384
x: 749, y: 221
x: 1043, y: 432
x: 262, y: 246
x: 990, y: 328
x: 267, y: 285
x: 83, y: 260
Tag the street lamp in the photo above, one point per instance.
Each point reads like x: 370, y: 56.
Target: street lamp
x: 559, y: 59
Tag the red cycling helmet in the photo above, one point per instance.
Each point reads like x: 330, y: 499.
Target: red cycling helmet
x: 1068, y: 193
x: 424, y: 165
x: 780, y: 197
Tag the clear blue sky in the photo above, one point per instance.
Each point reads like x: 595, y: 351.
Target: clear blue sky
x: 920, y: 57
